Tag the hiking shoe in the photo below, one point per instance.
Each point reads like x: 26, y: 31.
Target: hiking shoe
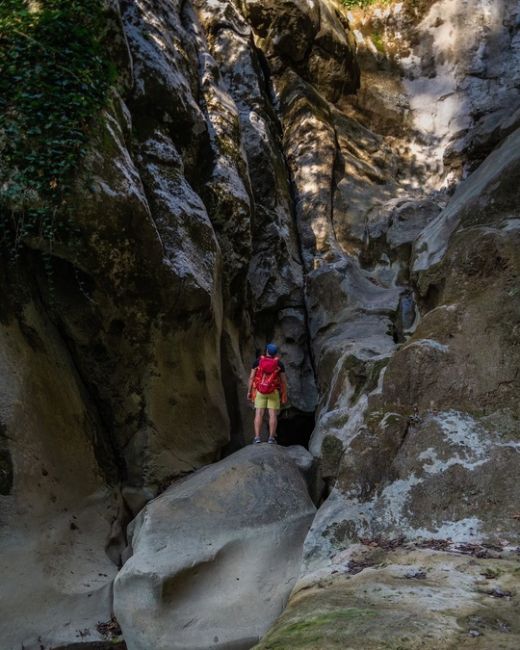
x: 272, y: 441
x: 257, y: 441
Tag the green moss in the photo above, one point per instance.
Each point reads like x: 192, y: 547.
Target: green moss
x: 363, y: 3
x: 378, y: 41
x: 341, y: 532
x: 331, y: 453
x: 364, y: 376
x: 54, y: 77
x: 325, y: 628
x: 333, y: 447
x: 415, y: 7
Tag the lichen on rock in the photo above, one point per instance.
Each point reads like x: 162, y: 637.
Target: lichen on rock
x: 341, y: 180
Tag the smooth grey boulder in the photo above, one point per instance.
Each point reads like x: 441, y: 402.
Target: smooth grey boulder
x: 303, y: 459
x: 308, y: 466
x: 216, y: 555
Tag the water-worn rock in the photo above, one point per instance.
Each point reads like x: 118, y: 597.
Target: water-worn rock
x: 431, y: 453
x: 116, y: 330
x: 310, y: 37
x: 438, y: 70
x: 216, y: 555
x: 490, y: 187
x: 417, y: 425
x: 59, y: 522
x: 408, y: 598
x: 236, y: 190
x: 275, y: 274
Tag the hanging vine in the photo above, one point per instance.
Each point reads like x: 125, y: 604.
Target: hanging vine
x: 54, y: 78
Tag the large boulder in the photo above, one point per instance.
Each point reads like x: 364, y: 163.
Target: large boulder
x: 216, y: 555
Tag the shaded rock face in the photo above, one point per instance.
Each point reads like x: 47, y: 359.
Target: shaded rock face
x: 132, y: 368
x: 216, y: 555
x: 323, y: 52
x: 59, y: 533
x: 342, y: 183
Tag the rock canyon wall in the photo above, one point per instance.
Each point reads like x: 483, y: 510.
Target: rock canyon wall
x: 342, y: 181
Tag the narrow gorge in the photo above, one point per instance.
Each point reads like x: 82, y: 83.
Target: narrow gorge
x: 338, y: 177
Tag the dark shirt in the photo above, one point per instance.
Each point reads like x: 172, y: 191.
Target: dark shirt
x: 282, y: 367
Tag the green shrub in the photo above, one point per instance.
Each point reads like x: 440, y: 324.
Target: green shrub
x: 54, y: 77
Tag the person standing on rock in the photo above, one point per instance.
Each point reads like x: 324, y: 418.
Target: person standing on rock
x: 267, y: 388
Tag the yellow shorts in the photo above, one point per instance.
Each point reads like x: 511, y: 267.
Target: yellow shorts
x: 269, y: 401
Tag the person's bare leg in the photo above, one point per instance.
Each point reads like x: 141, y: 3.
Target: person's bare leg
x: 273, y: 422
x: 259, y: 416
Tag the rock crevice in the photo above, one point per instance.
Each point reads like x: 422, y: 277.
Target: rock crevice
x: 343, y: 182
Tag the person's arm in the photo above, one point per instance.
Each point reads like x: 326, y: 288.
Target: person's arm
x: 250, y: 384
x: 283, y: 388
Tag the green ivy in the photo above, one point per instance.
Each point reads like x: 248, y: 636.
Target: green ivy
x: 54, y: 78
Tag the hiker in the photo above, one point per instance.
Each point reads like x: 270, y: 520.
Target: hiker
x: 267, y: 388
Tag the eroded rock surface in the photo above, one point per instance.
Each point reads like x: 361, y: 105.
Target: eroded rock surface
x: 298, y: 172
x: 216, y: 555
x: 411, y: 312
x: 155, y: 311
x: 433, y: 455
x: 59, y: 536
x: 405, y: 598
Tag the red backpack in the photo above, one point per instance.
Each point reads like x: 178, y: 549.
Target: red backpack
x: 267, y: 378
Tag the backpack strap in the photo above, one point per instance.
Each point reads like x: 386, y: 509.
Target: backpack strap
x: 258, y: 373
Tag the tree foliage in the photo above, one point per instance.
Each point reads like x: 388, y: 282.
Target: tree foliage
x: 54, y: 77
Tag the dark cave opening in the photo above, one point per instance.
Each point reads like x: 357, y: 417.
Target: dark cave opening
x: 295, y: 428
x: 6, y: 472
